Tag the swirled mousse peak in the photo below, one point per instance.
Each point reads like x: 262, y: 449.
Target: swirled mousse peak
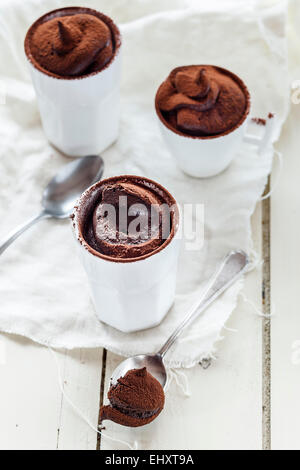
x: 136, y: 399
x: 128, y: 219
x: 202, y: 100
x: 71, y: 43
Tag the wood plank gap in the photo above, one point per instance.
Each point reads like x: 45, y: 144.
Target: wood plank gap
x: 266, y: 340
x: 62, y: 399
x: 102, y: 386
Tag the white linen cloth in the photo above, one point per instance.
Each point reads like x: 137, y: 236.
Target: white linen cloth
x: 43, y: 289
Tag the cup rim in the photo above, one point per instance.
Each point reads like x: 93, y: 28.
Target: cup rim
x: 72, y: 10
x: 215, y: 136
x: 78, y: 218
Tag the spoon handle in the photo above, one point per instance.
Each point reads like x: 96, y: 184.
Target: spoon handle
x: 232, y: 267
x: 19, y: 230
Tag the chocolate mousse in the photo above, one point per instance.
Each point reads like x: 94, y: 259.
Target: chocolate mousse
x: 127, y: 217
x: 136, y: 400
x: 72, y: 42
x: 202, y: 101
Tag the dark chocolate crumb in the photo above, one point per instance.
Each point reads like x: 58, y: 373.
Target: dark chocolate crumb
x: 259, y: 121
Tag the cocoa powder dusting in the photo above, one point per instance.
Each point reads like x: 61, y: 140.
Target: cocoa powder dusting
x: 202, y: 100
x: 72, y: 42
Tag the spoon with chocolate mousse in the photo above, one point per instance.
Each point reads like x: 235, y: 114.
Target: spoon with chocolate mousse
x: 62, y: 192
x: 231, y: 268
x: 136, y: 399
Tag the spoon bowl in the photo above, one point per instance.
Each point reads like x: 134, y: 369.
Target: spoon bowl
x: 69, y: 183
x: 153, y: 363
x: 62, y: 192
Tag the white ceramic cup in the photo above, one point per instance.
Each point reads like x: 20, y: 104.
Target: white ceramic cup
x: 129, y: 294
x: 205, y: 156
x: 80, y: 115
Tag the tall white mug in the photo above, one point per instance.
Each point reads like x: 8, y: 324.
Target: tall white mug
x: 130, y: 294
x: 80, y: 115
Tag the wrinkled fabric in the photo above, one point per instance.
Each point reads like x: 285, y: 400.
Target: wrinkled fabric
x: 43, y: 289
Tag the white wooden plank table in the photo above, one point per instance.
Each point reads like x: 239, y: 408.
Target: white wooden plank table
x: 247, y: 399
